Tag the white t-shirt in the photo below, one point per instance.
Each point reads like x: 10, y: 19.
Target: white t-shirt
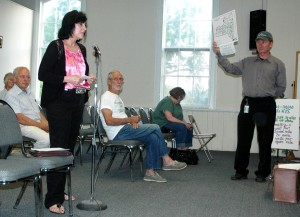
x: 114, y: 103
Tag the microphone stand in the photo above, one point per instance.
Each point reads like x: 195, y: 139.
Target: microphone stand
x: 92, y: 204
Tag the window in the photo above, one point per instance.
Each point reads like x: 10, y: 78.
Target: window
x: 187, y: 39
x: 52, y: 13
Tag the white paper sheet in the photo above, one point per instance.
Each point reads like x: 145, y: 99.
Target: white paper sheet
x: 225, y: 32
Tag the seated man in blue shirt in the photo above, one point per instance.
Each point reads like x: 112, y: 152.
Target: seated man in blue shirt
x: 32, y: 122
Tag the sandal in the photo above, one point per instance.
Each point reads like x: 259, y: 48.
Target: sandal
x: 57, y: 209
x: 67, y: 197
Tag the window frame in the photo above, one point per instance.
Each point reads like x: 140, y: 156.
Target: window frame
x: 211, y: 66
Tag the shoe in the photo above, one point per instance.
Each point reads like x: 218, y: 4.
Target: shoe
x: 260, y: 178
x: 155, y: 178
x: 67, y: 197
x: 57, y: 209
x: 238, y: 176
x: 175, y: 166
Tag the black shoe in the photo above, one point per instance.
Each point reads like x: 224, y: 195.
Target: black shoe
x: 260, y: 178
x: 238, y: 176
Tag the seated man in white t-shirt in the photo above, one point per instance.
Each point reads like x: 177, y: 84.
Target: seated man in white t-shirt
x: 32, y: 121
x: 120, y: 127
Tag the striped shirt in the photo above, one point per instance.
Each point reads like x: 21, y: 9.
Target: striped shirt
x: 23, y: 102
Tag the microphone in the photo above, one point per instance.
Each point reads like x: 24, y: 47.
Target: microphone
x: 96, y: 51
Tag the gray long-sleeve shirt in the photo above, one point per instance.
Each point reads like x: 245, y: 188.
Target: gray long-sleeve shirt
x: 260, y: 78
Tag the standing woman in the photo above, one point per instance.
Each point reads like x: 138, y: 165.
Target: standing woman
x: 66, y: 82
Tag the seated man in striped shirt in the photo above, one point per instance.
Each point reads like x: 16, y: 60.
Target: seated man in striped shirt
x: 32, y: 121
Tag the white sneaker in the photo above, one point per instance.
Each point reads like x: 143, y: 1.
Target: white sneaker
x: 155, y: 178
x: 175, y: 166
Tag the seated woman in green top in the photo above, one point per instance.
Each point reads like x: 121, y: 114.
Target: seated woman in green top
x: 168, y: 114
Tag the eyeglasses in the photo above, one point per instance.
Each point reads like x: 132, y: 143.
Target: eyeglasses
x: 117, y: 79
x: 24, y: 76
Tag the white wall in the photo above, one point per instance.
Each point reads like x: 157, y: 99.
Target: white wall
x: 125, y: 32
x: 16, y: 29
x: 27, y: 3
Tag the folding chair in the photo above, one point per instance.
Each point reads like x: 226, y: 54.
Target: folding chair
x: 86, y: 131
x: 43, y: 164
x: 203, y: 139
x: 12, y: 171
x: 133, y: 111
x: 168, y: 136
x: 94, y: 117
x: 127, y: 111
x: 119, y: 146
x: 144, y: 116
x: 47, y: 165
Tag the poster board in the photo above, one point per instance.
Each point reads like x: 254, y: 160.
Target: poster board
x: 286, y: 129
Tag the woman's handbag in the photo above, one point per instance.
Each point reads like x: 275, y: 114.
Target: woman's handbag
x: 188, y: 156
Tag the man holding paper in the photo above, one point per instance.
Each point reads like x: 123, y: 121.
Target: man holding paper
x: 263, y: 80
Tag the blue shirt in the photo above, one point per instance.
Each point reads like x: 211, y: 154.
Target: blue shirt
x: 23, y: 102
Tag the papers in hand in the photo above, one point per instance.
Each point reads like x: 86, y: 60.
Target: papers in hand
x: 49, y: 149
x: 225, y: 32
x: 227, y: 49
x: 85, y: 77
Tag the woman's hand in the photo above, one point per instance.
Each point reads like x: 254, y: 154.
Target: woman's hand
x: 91, y: 79
x: 73, y: 79
x: 189, y: 126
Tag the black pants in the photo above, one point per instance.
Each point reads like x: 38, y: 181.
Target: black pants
x: 262, y: 113
x: 64, y: 116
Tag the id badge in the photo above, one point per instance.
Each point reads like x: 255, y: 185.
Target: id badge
x: 246, y: 109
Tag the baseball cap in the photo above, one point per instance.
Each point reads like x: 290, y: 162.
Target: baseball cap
x: 264, y: 35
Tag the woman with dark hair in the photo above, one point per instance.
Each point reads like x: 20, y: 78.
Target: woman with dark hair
x: 64, y: 72
x: 169, y: 116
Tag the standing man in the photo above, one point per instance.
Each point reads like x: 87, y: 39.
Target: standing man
x: 32, y: 121
x: 9, y: 82
x: 120, y: 127
x: 263, y: 79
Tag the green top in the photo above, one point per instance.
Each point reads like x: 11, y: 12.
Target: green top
x: 166, y: 104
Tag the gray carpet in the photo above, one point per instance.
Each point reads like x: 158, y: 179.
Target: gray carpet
x: 204, y: 190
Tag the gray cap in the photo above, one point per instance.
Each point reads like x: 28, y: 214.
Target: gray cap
x: 264, y: 35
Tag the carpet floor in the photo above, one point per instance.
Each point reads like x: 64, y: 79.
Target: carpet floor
x: 203, y: 190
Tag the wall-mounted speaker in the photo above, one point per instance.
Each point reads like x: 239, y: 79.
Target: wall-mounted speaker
x: 257, y: 24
